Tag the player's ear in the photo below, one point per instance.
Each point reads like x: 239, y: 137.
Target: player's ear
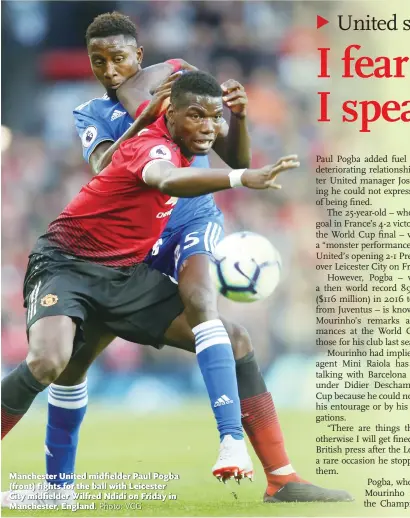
x: 170, y: 114
x: 140, y: 54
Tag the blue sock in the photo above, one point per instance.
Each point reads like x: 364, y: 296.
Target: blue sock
x: 66, y: 410
x: 217, y: 364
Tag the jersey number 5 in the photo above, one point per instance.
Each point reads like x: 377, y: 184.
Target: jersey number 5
x: 190, y: 240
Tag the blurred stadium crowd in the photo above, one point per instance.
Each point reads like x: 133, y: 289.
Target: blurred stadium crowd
x: 270, y: 47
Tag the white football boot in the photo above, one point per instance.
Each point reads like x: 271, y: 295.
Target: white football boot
x: 39, y: 496
x: 233, y: 460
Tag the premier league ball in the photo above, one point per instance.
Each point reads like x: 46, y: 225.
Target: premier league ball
x: 246, y: 267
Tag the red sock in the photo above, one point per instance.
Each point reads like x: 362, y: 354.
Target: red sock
x: 261, y: 423
x: 8, y: 421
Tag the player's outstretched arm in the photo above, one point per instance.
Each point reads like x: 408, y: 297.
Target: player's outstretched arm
x: 188, y: 182
x: 103, y: 153
x: 233, y: 143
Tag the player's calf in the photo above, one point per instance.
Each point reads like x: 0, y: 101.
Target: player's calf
x: 212, y: 345
x: 259, y: 416
x: 67, y: 405
x: 51, y: 342
x: 262, y: 426
x: 66, y: 410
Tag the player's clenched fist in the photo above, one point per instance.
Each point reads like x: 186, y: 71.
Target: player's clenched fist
x: 234, y: 97
x: 265, y: 177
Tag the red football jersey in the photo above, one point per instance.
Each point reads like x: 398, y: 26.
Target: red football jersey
x: 116, y: 218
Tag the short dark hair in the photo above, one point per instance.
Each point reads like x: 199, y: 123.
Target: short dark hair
x: 199, y: 83
x: 111, y: 24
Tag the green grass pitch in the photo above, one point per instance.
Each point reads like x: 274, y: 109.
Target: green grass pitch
x: 184, y: 443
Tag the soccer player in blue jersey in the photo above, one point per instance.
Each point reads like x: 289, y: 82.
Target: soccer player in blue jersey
x: 183, y: 251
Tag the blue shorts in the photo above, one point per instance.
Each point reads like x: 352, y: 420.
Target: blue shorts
x: 173, y: 248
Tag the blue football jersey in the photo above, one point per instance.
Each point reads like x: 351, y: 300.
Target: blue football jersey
x: 102, y: 119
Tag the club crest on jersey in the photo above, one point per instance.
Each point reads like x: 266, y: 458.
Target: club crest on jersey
x: 160, y: 152
x: 49, y: 300
x: 89, y: 135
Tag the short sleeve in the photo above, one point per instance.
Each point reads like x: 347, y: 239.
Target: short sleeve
x: 175, y: 63
x: 149, y: 152
x: 141, y: 108
x: 91, y: 130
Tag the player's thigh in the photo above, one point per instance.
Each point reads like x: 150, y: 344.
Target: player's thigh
x: 54, y: 314
x: 52, y: 288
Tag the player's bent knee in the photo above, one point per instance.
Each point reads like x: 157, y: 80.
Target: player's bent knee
x: 45, y: 370
x: 50, y: 347
x: 200, y: 304
x: 240, y: 339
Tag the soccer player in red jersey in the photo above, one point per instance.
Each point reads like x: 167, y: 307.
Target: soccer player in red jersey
x: 89, y: 265
x: 265, y: 434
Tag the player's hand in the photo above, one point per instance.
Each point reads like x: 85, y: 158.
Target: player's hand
x: 235, y: 98
x: 265, y: 177
x: 186, y: 67
x: 160, y: 99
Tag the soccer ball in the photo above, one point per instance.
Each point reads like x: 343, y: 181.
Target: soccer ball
x: 245, y: 267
